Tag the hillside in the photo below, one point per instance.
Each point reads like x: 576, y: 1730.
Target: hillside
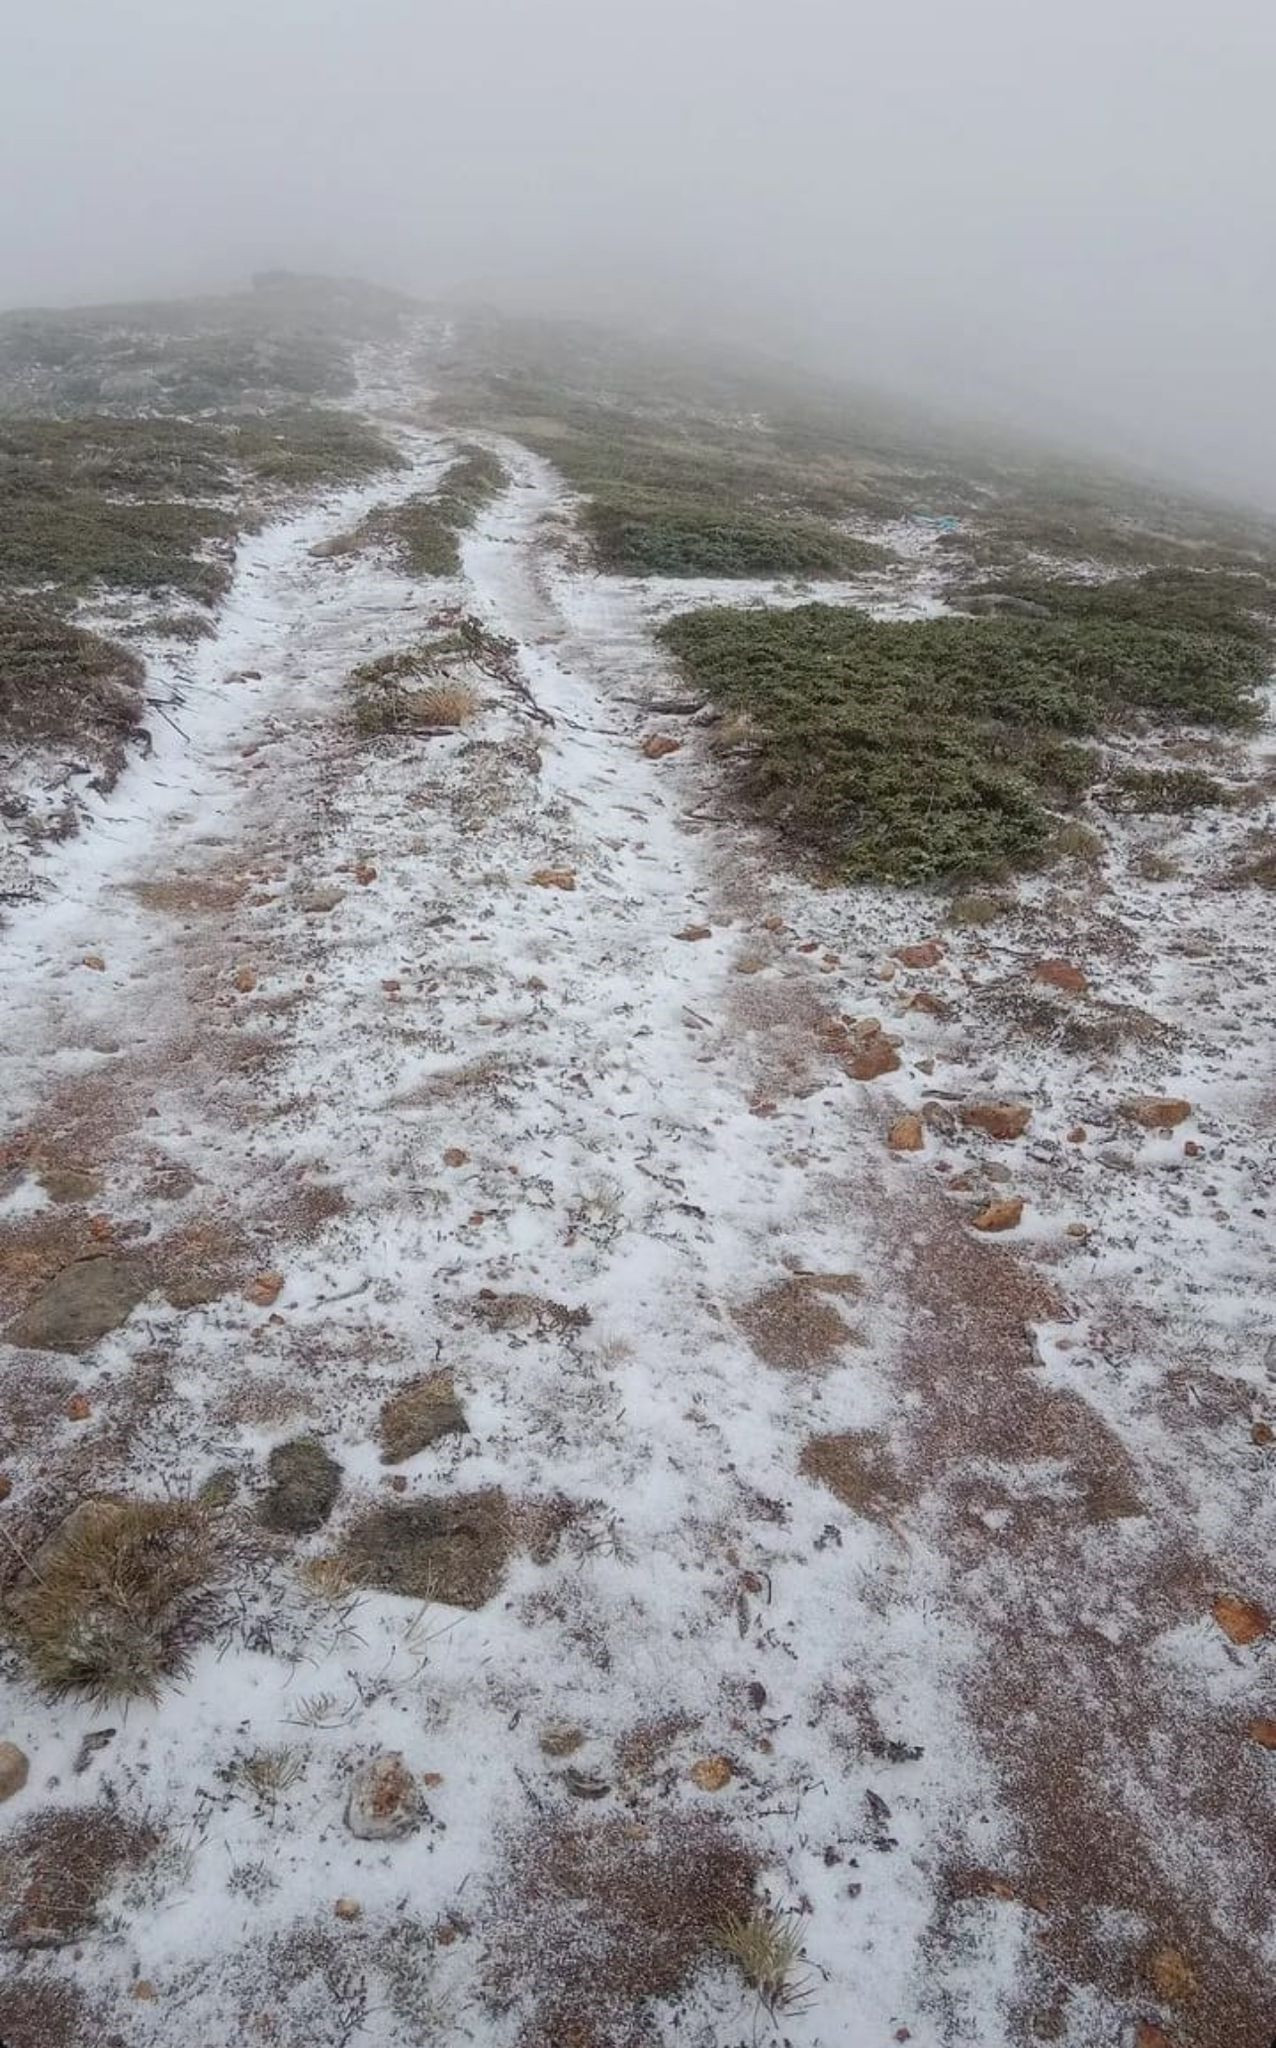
x: 636, y: 1390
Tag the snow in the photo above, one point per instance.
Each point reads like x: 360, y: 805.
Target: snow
x: 596, y: 1072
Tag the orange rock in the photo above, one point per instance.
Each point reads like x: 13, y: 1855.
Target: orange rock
x: 1076, y: 1136
x: 1262, y: 1433
x: 1191, y: 1150
x: 1157, y: 1112
x: 100, y: 1228
x: 347, y: 1909
x: 245, y: 980
x: 1262, y: 1730
x: 1242, y: 1621
x: 907, y: 1134
x: 1080, y: 1230
x: 365, y: 872
x: 870, y: 1056
x: 95, y: 961
x: 928, y: 954
x: 1000, y: 1215
x: 266, y: 1289
x: 658, y: 744
x: 1148, y: 2035
x: 454, y: 1156
x: 143, y: 1989
x: 711, y: 1774
x: 1061, y: 974
x: 694, y: 931
x: 6, y: 1486
x: 78, y: 1409
x: 1170, y: 1974
x: 554, y: 878
x: 931, y: 1005
x: 1003, y: 1120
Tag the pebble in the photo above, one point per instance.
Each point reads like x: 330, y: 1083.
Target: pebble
x: 14, y: 1769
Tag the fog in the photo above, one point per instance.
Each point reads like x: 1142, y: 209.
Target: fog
x: 1061, y: 216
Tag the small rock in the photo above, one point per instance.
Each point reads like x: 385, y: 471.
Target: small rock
x: 1260, y: 1433
x: 1077, y: 1135
x: 69, y: 1183
x: 83, y: 1302
x: 14, y: 1769
x: 864, y: 1049
x: 930, y: 1005
x: 245, y: 980
x: 455, y: 1156
x: 928, y: 953
x: 143, y: 1989
x: 1242, y: 1621
x: 1262, y: 1730
x: 1170, y: 1974
x: 695, y: 931
x: 1148, y: 2035
x: 658, y: 744
x: 560, y: 1740
x: 1157, y: 1112
x: 554, y: 878
x: 384, y: 1800
x: 95, y: 961
x: 1061, y: 974
x: 78, y: 1409
x: 1191, y: 1150
x: 265, y: 1290
x: 1078, y: 1230
x: 712, y: 1773
x: 1000, y: 1215
x: 1117, y: 1159
x: 1001, y: 1120
x: 318, y: 902
x: 304, y: 1484
x: 347, y: 1909
x: 364, y: 873
x: 906, y: 1134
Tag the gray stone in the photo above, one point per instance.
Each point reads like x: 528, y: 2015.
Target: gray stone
x: 384, y: 1801
x: 83, y: 1302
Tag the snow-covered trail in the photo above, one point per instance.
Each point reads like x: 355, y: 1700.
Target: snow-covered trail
x: 484, y: 1059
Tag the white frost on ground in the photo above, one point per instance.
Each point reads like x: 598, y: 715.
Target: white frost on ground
x: 587, y: 1064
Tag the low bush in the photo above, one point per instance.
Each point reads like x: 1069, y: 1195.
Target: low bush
x: 939, y: 749
x: 643, y: 532
x: 1149, y: 790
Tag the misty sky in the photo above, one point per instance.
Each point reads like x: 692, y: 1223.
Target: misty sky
x: 1063, y: 213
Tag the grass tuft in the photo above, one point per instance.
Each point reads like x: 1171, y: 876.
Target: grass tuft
x: 115, y: 1603
x: 766, y: 1948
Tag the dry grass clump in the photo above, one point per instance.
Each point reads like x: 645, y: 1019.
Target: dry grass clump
x: 766, y: 1948
x: 117, y: 1599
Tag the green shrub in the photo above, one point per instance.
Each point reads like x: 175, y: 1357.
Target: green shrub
x: 1149, y: 790
x: 937, y: 749
x: 641, y: 532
